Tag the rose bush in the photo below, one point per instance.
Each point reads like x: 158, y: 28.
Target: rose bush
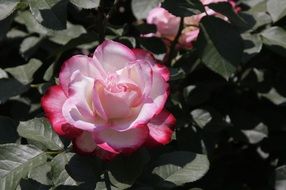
x: 168, y: 25
x: 111, y: 103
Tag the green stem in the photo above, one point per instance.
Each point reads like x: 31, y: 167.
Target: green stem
x: 172, y: 52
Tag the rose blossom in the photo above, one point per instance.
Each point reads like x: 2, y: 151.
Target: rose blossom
x: 111, y: 103
x: 168, y: 24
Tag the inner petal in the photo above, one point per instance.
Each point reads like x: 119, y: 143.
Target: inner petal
x: 116, y: 97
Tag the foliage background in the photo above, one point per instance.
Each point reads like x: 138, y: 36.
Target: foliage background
x: 227, y: 93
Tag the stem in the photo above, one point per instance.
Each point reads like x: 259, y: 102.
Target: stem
x: 172, y: 52
x: 107, y: 180
x: 105, y: 17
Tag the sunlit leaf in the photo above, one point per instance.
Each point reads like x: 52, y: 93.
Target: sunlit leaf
x: 16, y: 161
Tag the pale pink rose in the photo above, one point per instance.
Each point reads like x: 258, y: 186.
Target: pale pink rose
x: 168, y: 24
x: 111, y: 103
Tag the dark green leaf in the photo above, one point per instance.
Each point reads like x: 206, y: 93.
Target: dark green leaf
x: 153, y: 44
x: 146, y: 28
x: 142, y: 8
x: 86, y: 4
x: 9, y: 88
x: 252, y: 46
x: 39, y: 130
x: 184, y: 8
x: 7, y: 7
x: 181, y: 167
x: 29, y: 184
x: 50, y: 13
x: 24, y: 73
x: 5, y: 25
x: 16, y: 161
x: 59, y: 173
x: 8, y: 130
x: 277, y: 9
x: 226, y: 9
x: 86, y: 170
x: 125, y: 170
x: 220, y: 46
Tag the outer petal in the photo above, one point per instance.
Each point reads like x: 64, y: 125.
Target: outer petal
x: 85, y: 145
x: 52, y: 103
x: 166, y: 23
x: 188, y: 37
x: 85, y: 65
x: 121, y: 142
x: 160, y: 129
x: 113, y: 56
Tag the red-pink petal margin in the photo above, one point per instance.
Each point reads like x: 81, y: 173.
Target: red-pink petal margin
x: 52, y: 103
x: 160, y: 129
x: 156, y: 66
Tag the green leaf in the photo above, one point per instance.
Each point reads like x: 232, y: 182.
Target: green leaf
x: 9, y: 88
x: 125, y: 170
x: 24, y: 73
x: 82, y: 39
x: 277, y: 9
x: 181, y: 167
x: 58, y: 171
x: 8, y: 130
x: 27, y: 19
x: 16, y: 161
x: 184, y: 8
x: 50, y: 13
x: 141, y: 8
x: 220, y: 46
x: 86, y: 4
x: 257, y: 134
x: 39, y: 130
x: 273, y: 96
x: 280, y: 177
x: 7, y: 7
x: 16, y: 33
x: 49, y: 72
x: 252, y: 46
x: 64, y: 36
x: 3, y: 74
x: 274, y: 37
x: 29, y: 46
x: 41, y: 174
x: 201, y: 117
